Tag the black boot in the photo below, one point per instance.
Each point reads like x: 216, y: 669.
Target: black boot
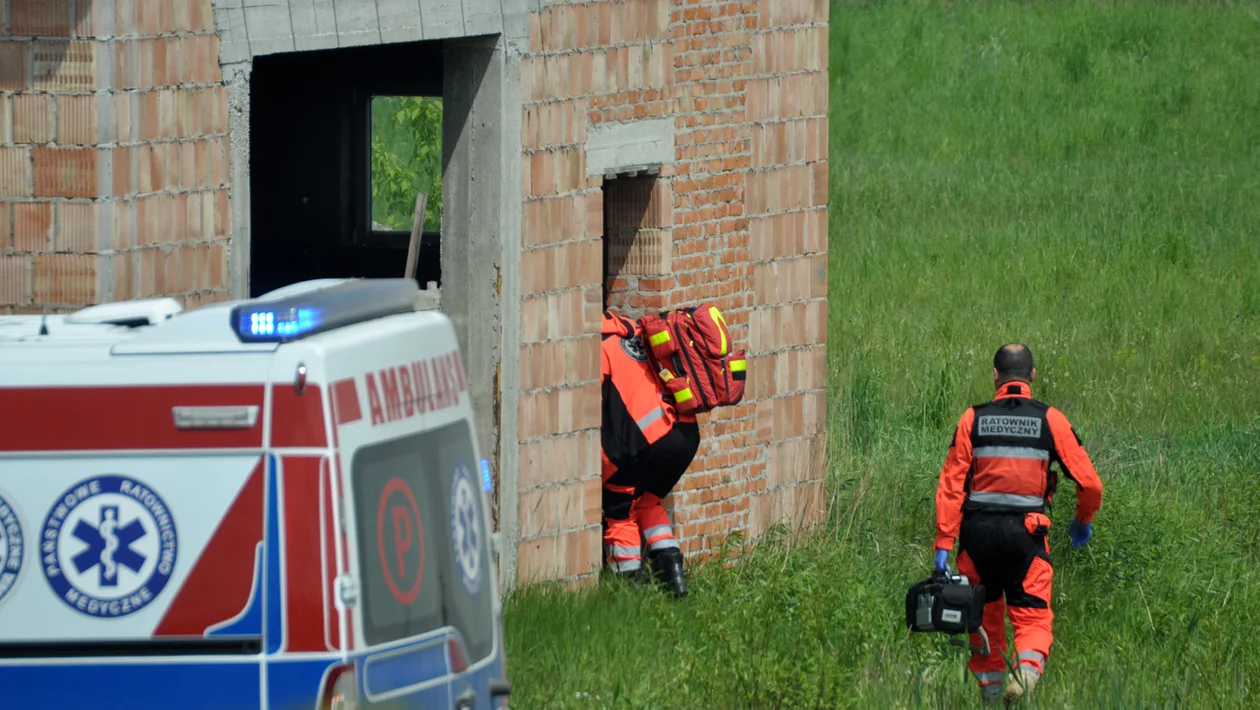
x: 667, y: 567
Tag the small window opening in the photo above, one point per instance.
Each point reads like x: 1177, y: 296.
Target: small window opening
x: 633, y: 245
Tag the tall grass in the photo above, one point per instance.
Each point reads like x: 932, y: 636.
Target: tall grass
x: 1081, y: 177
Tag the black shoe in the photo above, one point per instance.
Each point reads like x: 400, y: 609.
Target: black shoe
x: 667, y: 567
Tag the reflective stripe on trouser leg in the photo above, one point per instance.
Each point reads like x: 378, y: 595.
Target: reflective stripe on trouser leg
x: 990, y: 681
x: 621, y: 543
x: 650, y: 516
x: 1033, y: 660
x: 660, y: 537
x: 624, y: 559
x: 626, y: 565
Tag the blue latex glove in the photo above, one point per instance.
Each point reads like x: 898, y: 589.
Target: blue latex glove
x: 1079, y: 532
x: 941, y: 557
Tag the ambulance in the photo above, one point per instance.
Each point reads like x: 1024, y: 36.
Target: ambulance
x: 272, y: 503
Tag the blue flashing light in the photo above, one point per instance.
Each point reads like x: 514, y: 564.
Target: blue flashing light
x: 486, y: 483
x: 264, y: 324
x: 315, y: 311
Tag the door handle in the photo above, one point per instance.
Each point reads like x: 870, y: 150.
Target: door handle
x: 466, y: 700
x: 500, y: 687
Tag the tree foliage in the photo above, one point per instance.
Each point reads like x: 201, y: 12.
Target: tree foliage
x: 406, y: 159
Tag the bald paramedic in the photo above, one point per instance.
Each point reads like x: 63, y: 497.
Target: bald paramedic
x: 992, y: 497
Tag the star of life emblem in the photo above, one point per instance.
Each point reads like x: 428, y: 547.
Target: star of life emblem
x: 12, y: 547
x: 108, y: 546
x: 466, y: 535
x: 633, y: 346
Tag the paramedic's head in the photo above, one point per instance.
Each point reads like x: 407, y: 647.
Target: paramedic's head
x: 1013, y: 362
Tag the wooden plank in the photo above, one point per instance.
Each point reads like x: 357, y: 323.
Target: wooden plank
x: 417, y: 228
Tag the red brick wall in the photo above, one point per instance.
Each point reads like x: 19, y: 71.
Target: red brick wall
x: 113, y: 154
x: 747, y: 83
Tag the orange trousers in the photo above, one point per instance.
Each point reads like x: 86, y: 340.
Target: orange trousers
x: 633, y: 514
x: 999, y: 551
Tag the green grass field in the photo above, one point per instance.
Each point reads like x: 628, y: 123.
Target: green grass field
x: 1082, y: 177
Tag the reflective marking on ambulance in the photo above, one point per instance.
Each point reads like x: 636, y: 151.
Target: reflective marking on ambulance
x: 1028, y: 427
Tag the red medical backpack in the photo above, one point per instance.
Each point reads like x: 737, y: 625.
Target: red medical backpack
x: 691, y: 350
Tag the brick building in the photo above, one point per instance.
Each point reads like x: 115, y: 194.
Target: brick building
x: 643, y: 153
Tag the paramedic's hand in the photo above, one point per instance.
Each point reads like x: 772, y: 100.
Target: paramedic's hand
x: 1079, y: 532
x: 941, y: 557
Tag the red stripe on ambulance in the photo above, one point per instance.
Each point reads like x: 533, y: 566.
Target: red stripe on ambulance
x: 346, y: 401
x: 113, y: 418
x: 219, y: 585
x: 303, y: 574
x: 416, y: 387
x: 328, y: 524
x: 297, y: 420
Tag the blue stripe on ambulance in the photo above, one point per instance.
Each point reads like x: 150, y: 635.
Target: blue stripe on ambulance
x: 133, y: 686
x: 274, y: 614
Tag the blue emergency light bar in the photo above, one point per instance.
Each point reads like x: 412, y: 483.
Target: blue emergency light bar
x: 307, y: 313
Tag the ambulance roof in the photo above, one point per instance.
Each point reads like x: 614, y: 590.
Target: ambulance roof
x: 159, y: 326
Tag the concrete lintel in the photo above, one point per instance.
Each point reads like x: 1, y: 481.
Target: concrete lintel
x: 635, y: 145
x: 443, y: 19
x: 483, y: 17
x: 268, y: 27
x: 307, y: 43
x: 358, y: 22
x: 400, y: 22
x: 314, y: 24
x: 248, y: 29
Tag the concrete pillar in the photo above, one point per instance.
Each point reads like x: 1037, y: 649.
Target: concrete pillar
x: 481, y: 247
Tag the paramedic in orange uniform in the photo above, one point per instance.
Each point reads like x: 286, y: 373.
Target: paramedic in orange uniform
x: 646, y: 448
x: 993, y: 492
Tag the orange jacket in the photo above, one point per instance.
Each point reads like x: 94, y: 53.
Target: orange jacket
x: 635, y: 412
x: 1004, y: 463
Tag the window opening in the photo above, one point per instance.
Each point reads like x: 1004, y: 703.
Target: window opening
x: 406, y: 158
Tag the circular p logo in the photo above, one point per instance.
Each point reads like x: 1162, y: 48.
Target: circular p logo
x: 400, y: 541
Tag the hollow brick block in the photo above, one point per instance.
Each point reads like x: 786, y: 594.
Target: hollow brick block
x: 61, y: 65
x: 15, y: 279
x: 33, y: 119
x: 65, y: 279
x: 15, y: 171
x: 32, y: 226
x: 77, y: 227
x: 42, y: 18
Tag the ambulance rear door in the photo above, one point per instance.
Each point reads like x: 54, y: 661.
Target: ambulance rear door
x: 426, y: 623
